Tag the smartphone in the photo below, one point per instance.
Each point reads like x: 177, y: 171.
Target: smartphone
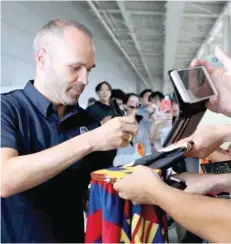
x: 115, y: 108
x: 165, y: 105
x: 193, y: 84
x: 176, y: 183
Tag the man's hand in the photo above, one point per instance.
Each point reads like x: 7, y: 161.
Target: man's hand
x: 221, y: 78
x: 164, y: 116
x: 139, y: 186
x: 199, y: 183
x: 117, y: 132
x: 207, y: 139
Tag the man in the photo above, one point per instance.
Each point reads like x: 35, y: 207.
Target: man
x: 144, y: 95
x: 206, y: 217
x: 145, y: 109
x: 49, y: 143
x: 141, y: 143
x: 155, y: 98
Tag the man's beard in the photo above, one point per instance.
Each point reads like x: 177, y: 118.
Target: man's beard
x: 57, y: 89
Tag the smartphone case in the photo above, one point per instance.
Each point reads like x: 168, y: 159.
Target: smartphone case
x: 188, y: 120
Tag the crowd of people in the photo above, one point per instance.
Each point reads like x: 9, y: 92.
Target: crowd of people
x: 50, y: 145
x: 154, y: 121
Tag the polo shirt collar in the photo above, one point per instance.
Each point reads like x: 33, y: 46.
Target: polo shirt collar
x: 45, y: 106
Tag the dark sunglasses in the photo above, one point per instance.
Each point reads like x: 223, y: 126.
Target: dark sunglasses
x: 134, y: 107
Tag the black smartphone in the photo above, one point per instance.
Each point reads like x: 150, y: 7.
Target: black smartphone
x: 176, y: 183
x: 116, y: 110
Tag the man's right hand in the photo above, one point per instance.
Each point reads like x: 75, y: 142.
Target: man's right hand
x: 117, y: 132
x: 221, y: 78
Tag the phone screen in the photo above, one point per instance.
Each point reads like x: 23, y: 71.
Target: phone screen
x: 196, y: 83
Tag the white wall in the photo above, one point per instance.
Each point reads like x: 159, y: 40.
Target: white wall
x: 21, y: 21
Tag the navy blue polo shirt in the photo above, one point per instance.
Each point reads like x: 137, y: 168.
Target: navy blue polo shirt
x: 52, y: 211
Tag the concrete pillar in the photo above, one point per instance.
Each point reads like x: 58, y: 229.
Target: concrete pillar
x: 227, y: 32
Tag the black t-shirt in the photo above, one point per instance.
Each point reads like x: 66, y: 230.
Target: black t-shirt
x: 99, y: 111
x: 52, y: 211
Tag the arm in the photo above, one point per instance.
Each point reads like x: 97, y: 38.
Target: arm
x: 213, y: 137
x: 20, y: 173
x: 206, y: 183
x: 223, y: 183
x: 153, y: 130
x: 206, y: 217
x: 217, y: 156
x: 209, y: 218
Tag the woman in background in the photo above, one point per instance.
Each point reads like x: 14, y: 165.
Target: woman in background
x: 101, y: 110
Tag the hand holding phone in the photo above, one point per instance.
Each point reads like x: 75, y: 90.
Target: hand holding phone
x: 116, y: 110
x: 165, y: 105
x: 193, y: 84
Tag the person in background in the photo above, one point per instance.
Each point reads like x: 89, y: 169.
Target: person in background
x: 145, y: 108
x: 155, y: 99
x: 141, y: 143
x: 162, y: 120
x: 209, y: 218
x: 101, y: 110
x: 175, y: 109
x: 91, y: 101
x: 119, y: 95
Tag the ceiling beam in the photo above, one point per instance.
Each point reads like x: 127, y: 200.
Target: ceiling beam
x: 174, y: 20
x: 146, y: 54
x: 213, y: 30
x: 96, y: 12
x: 136, y: 12
x: 203, y: 8
x: 155, y: 13
x: 130, y: 27
x: 200, y: 15
x: 135, y: 29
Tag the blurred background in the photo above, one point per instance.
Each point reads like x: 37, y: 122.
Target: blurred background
x: 136, y: 42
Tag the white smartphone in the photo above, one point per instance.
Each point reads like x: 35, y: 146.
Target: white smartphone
x: 193, y: 84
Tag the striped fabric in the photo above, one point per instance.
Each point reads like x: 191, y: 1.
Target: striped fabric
x: 114, y: 220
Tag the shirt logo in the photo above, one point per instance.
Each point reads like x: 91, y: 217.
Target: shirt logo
x: 83, y: 130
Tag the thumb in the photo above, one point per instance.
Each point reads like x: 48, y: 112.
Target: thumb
x: 133, y: 113
x: 213, y: 104
x: 223, y: 57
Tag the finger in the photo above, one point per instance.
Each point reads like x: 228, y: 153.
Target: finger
x: 116, y: 186
x: 182, y: 142
x: 212, y: 104
x: 128, y: 120
x: 131, y: 128
x: 127, y: 136
x: 187, y: 189
x: 180, y: 176
x: 124, y: 144
x: 133, y: 113
x: 200, y: 62
x: 223, y: 57
x: 167, y: 110
x: 121, y: 195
